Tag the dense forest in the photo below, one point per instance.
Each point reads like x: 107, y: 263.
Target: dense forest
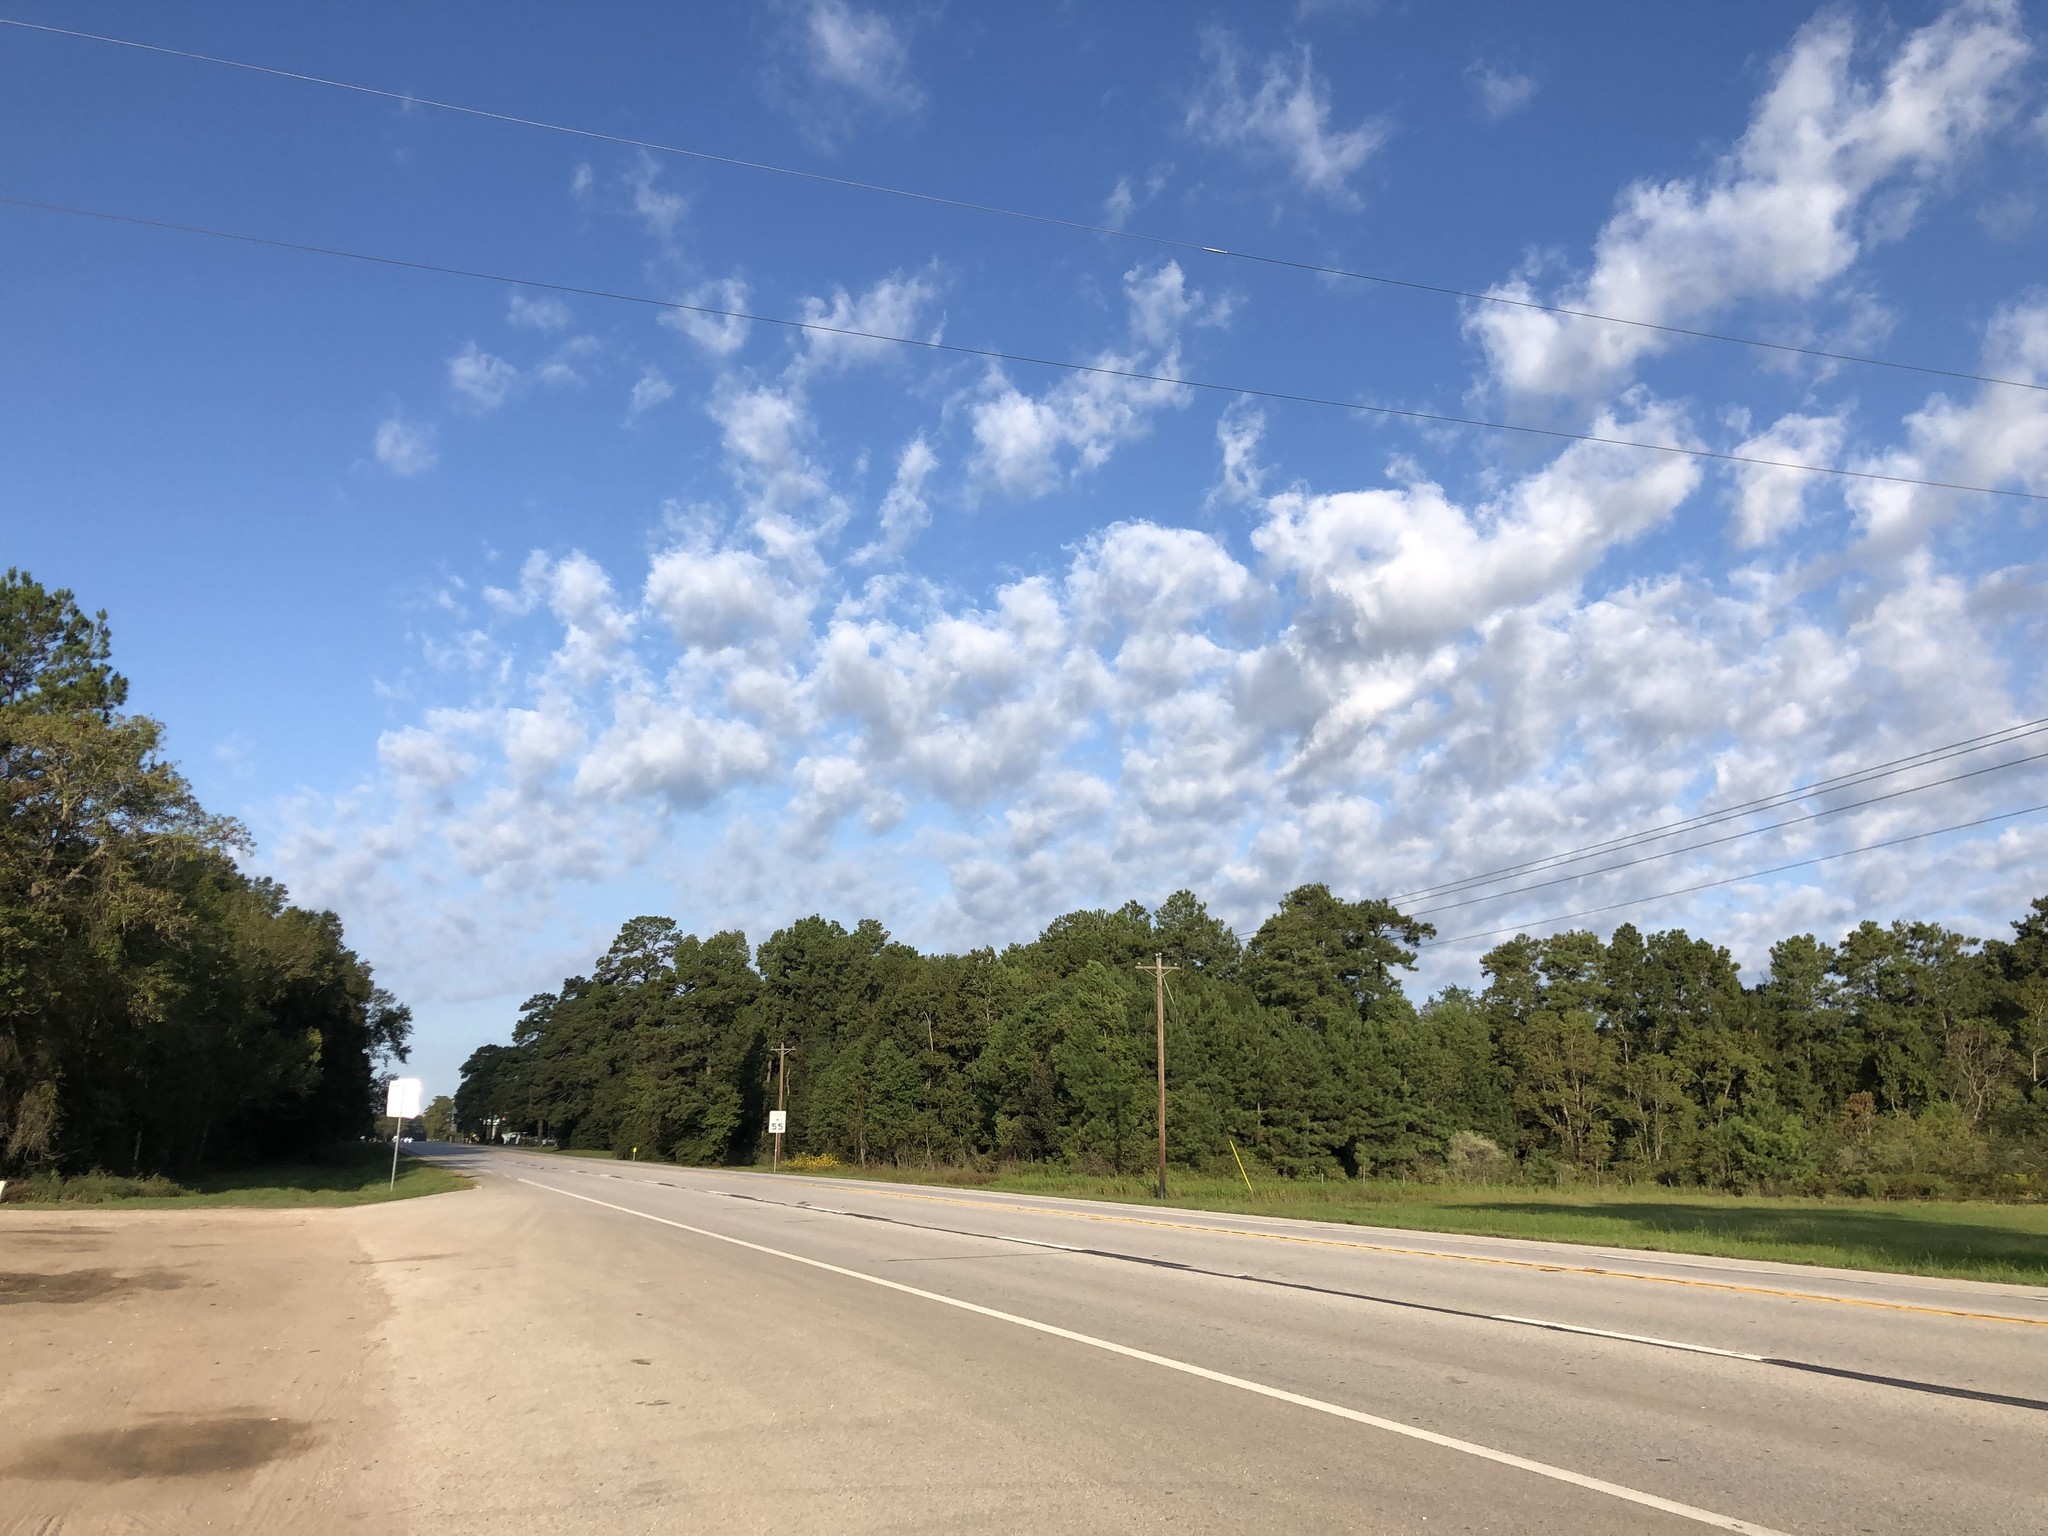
x: 160, y: 1010
x: 1906, y: 1059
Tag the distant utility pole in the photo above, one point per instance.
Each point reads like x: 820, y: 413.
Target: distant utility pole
x: 781, y: 1114
x: 1159, y: 968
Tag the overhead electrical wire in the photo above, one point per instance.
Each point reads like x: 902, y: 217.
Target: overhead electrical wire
x: 1081, y: 226
x: 1853, y: 777
x: 1753, y: 874
x: 992, y: 354
x: 1728, y: 837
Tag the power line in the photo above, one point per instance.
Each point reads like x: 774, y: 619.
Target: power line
x: 1730, y: 837
x: 1921, y: 759
x: 1754, y: 874
x: 1081, y: 226
x: 991, y: 354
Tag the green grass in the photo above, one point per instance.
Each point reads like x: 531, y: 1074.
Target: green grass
x: 1965, y: 1239
x: 352, y: 1174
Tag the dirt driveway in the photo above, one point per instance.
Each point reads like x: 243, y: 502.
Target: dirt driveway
x: 166, y: 1371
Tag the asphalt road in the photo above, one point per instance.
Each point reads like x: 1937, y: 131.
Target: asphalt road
x: 626, y: 1346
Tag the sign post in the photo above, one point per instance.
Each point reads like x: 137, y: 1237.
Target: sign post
x: 778, y: 1117
x: 402, y: 1103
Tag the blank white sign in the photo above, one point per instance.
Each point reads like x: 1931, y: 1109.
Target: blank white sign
x: 402, y: 1098
x: 778, y: 1121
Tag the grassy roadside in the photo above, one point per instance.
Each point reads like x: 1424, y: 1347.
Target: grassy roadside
x: 344, y: 1175
x: 1962, y: 1239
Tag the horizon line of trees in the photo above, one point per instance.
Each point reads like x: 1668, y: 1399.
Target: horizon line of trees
x: 160, y: 1010
x: 1904, y: 1059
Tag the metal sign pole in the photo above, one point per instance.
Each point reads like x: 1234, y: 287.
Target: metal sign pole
x: 395, y: 1129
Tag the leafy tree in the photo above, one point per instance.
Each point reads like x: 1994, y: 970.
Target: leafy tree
x: 438, y: 1122
x: 1904, y: 1058
x: 158, y: 1008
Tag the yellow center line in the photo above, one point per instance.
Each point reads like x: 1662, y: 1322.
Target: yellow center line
x: 1465, y: 1258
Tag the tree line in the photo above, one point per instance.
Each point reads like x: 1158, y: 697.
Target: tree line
x: 160, y: 1010
x: 1903, y: 1059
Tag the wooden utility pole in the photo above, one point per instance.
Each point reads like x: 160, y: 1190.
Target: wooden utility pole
x: 1159, y: 968
x: 781, y: 1093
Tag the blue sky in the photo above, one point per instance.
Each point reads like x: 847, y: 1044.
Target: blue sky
x: 501, y: 616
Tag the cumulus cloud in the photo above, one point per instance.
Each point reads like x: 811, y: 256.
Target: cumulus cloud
x: 1786, y: 210
x: 1239, y: 430
x: 649, y: 390
x: 1285, y: 117
x: 1376, y: 679
x: 1499, y: 92
x: 423, y: 759
x: 726, y: 599
x: 403, y: 447
x: 1405, y: 567
x: 1771, y: 502
x: 1027, y: 445
x: 891, y: 307
x: 862, y: 53
x: 542, y: 313
x: 719, y: 335
x: 481, y: 381
x: 659, y: 208
x: 905, y: 513
x: 1998, y: 436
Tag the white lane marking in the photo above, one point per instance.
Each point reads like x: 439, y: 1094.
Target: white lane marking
x: 1491, y: 1317
x: 1278, y: 1394
x: 1630, y: 1338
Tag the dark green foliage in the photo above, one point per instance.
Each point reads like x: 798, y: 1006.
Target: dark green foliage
x: 159, y: 1010
x: 1905, y: 1060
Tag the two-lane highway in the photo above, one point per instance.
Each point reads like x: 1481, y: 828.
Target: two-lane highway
x: 831, y: 1353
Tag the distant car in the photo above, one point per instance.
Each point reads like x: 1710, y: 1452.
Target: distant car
x: 413, y: 1136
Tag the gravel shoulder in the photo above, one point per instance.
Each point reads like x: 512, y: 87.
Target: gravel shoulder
x: 189, y: 1370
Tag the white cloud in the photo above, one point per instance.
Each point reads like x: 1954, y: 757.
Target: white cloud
x: 1379, y: 680
x: 905, y: 513
x: 545, y: 313
x: 562, y: 370
x: 1406, y: 568
x: 891, y: 307
x: 649, y: 390
x: 862, y: 53
x: 1771, y: 502
x: 1287, y: 117
x: 1391, y: 674
x: 766, y: 430
x: 1499, y: 92
x: 1124, y: 199
x: 1783, y: 213
x: 728, y: 599
x: 1239, y: 431
x: 481, y: 381
x: 1997, y: 437
x: 1026, y: 445
x: 658, y: 748
x: 403, y: 447
x: 1116, y: 208
x: 424, y: 759
x: 719, y: 335
x: 660, y: 209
